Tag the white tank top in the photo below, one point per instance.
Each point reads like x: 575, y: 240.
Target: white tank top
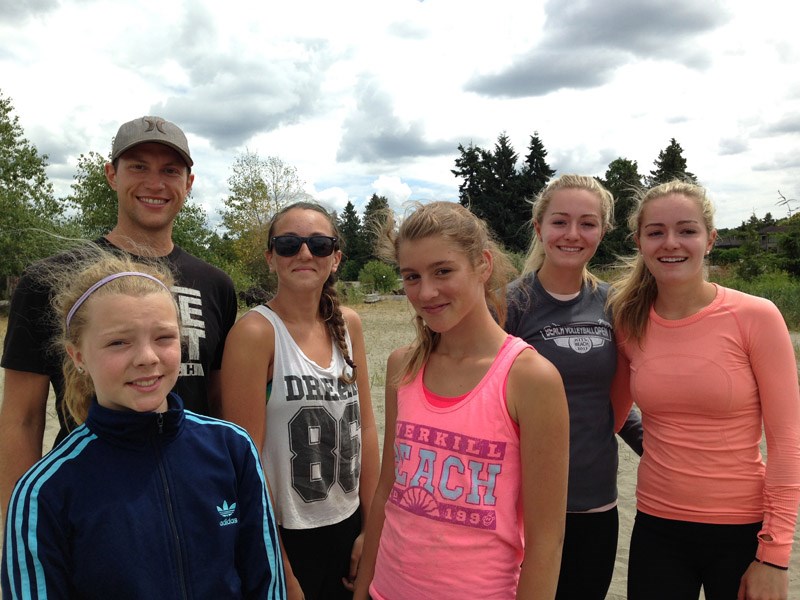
x: 312, y: 448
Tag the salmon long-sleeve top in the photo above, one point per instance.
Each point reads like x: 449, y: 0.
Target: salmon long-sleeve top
x: 705, y: 384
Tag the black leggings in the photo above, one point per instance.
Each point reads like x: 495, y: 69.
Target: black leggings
x: 671, y: 560
x: 320, y: 557
x: 587, y: 560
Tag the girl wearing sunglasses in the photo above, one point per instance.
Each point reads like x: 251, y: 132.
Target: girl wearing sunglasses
x: 294, y: 374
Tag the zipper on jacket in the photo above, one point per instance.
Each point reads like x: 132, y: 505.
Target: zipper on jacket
x: 170, y: 513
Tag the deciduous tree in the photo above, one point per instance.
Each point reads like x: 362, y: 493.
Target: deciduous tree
x: 92, y: 200
x: 29, y: 213
x: 258, y: 188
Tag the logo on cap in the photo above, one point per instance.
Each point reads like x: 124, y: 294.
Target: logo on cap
x: 157, y: 124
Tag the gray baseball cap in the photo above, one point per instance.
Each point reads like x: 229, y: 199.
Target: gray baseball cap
x: 150, y: 129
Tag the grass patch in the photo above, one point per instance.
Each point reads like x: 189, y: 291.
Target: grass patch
x: 776, y: 286
x: 387, y: 326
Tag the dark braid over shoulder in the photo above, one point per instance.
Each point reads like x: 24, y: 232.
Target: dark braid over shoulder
x: 330, y: 311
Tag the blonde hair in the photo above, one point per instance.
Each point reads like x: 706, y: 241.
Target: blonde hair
x: 330, y: 309
x: 536, y: 255
x: 634, y: 290
x: 457, y: 225
x: 93, y: 264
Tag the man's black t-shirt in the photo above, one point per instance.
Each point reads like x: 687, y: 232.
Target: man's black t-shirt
x: 206, y: 300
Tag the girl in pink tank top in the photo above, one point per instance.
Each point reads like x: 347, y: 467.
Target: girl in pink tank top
x: 472, y: 493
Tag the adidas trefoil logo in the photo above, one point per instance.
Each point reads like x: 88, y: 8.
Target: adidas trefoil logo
x: 226, y: 512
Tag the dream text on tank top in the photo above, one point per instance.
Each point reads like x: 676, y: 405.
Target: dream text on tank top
x: 312, y: 447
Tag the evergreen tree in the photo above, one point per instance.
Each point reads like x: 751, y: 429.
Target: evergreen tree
x: 355, y: 253
x: 29, y: 213
x: 374, y: 213
x: 623, y: 180
x: 473, y: 167
x: 535, y: 171
x: 497, y: 192
x: 533, y: 177
x: 504, y: 164
x: 506, y: 208
x: 670, y: 165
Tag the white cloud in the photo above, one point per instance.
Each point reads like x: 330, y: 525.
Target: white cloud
x: 368, y: 97
x: 334, y: 198
x: 393, y: 189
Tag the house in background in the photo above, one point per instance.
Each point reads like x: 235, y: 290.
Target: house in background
x: 767, y: 238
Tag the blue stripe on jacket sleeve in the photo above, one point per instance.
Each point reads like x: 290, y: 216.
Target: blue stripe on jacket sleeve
x: 26, y: 493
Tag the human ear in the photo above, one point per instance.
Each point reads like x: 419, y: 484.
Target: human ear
x: 268, y: 259
x: 337, y: 258
x: 77, y: 357
x: 712, y: 238
x: 111, y: 175
x: 486, y: 266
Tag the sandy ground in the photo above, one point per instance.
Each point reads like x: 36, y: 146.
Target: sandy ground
x: 387, y: 326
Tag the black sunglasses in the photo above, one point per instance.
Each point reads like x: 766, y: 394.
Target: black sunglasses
x: 318, y: 245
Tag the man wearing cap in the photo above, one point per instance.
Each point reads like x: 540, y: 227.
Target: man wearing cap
x: 150, y: 170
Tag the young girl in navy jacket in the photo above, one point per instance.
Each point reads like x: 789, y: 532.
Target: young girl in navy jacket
x: 144, y: 499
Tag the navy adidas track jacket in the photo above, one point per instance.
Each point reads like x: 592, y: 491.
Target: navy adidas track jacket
x: 144, y: 506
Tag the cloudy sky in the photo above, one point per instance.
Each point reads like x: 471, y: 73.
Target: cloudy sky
x: 368, y: 96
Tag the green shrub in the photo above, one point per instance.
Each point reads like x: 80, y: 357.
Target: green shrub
x: 752, y: 266
x: 725, y: 256
x: 377, y: 276
x: 789, y: 251
x: 348, y: 270
x: 350, y: 292
x: 776, y: 286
